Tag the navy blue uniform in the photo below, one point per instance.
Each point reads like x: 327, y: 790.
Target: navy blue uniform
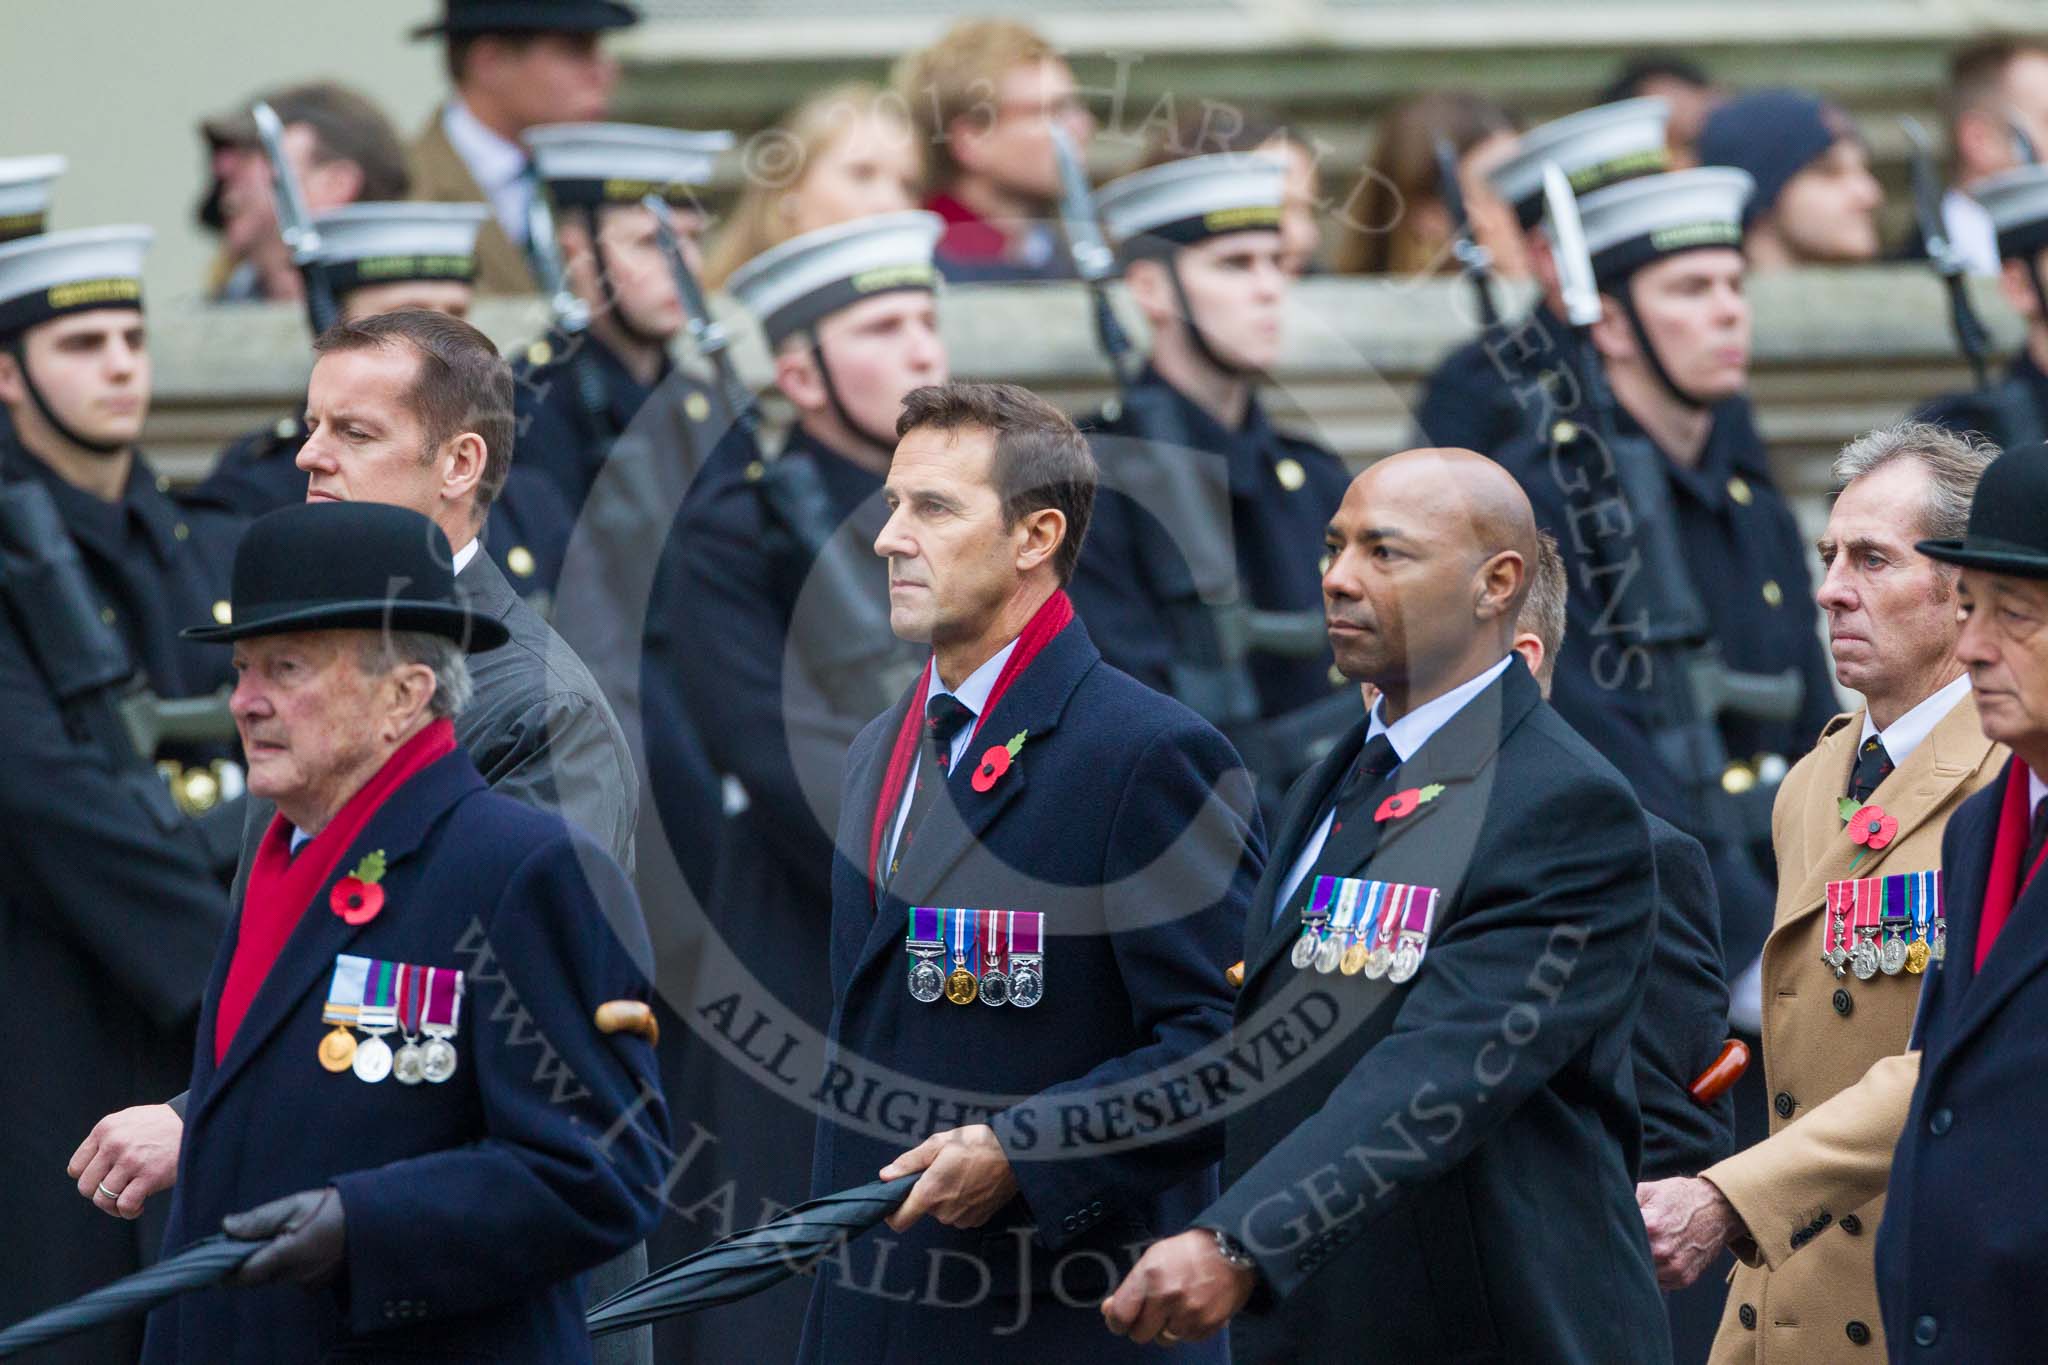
x: 473, y: 1207
x: 1094, y: 825
x: 1963, y: 1248
x: 110, y: 902
x: 1391, y: 1182
x: 1749, y: 567
x: 2013, y: 412
x: 526, y: 531
x: 730, y: 643
x: 565, y: 432
x: 1474, y: 399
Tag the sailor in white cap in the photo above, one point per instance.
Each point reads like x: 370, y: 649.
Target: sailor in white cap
x: 579, y: 390
x: 1485, y: 393
x: 1673, y: 346
x: 1199, y: 243
x: 25, y: 184
x: 2014, y: 411
x: 779, y: 659
x: 110, y: 906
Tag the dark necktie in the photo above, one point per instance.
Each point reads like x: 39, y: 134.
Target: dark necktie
x: 945, y: 715
x: 1873, y: 765
x: 1353, y: 834
x: 2037, y: 835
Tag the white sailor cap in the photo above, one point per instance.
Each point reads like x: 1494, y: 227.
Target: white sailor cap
x: 2017, y: 201
x: 25, y: 183
x: 1629, y: 225
x: 54, y: 273
x: 588, y: 164
x: 385, y: 243
x: 1179, y: 202
x: 792, y: 286
x: 1594, y: 148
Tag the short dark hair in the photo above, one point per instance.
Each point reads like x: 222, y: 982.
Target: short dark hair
x: 1644, y: 67
x: 460, y: 45
x: 1543, y: 605
x: 1041, y: 458
x: 1976, y: 73
x: 462, y: 384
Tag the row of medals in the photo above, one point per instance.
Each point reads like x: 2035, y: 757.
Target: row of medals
x: 1891, y: 956
x: 1023, y: 986
x: 372, y: 1059
x: 1347, y: 952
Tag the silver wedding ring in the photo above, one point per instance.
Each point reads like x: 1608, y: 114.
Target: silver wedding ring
x: 111, y: 1195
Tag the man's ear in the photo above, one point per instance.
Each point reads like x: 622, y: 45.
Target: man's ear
x: 1044, y: 530
x: 797, y: 377
x: 1612, y: 336
x: 466, y: 456
x: 1499, y: 583
x: 410, y: 689
x: 12, y: 389
x: 1152, y: 291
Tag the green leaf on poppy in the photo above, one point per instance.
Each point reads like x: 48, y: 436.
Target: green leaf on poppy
x: 1016, y: 742
x: 1432, y: 791
x: 371, y: 868
x: 1847, y: 807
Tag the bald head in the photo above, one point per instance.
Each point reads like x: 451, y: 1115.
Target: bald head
x: 1430, y: 557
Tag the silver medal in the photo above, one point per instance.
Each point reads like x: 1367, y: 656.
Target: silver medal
x: 1027, y: 985
x: 408, y: 1064
x: 1837, y: 957
x: 1304, y: 950
x: 1377, y: 963
x: 995, y: 988
x: 1863, y: 960
x: 1407, y: 958
x: 437, y: 1061
x: 927, y: 982
x: 373, y: 1060
x: 1891, y: 958
x: 1329, y: 954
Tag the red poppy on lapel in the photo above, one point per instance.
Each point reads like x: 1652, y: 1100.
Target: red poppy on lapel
x: 997, y: 761
x: 1403, y: 803
x: 358, y: 898
x: 1872, y: 828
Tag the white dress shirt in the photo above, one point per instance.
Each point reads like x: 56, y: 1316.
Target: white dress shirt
x: 497, y: 166
x: 1903, y: 735
x: 972, y: 693
x: 1407, y: 735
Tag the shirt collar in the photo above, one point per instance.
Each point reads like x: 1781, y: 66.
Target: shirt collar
x: 2036, y: 789
x: 491, y: 159
x: 973, y: 692
x: 1903, y: 735
x: 1413, y: 730
x: 467, y: 553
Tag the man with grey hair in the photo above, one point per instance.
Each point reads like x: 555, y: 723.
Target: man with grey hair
x: 1857, y: 829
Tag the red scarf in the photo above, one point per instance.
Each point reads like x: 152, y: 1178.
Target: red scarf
x: 281, y: 887
x: 2007, y: 880
x: 1049, y: 620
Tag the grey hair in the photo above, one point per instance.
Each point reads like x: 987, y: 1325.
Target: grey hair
x: 389, y: 649
x: 1954, y: 463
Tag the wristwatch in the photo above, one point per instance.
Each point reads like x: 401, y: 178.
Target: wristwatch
x: 1232, y: 1251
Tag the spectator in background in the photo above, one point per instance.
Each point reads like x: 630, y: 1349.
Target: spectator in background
x: 1816, y: 202
x: 515, y: 65
x: 342, y: 149
x: 1220, y: 127
x: 1681, y: 83
x: 844, y: 153
x: 1997, y: 97
x: 984, y: 99
x: 1397, y: 223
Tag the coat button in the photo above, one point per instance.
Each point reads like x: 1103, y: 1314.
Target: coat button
x: 1845, y: 1004
x: 1858, y: 1333
x: 1746, y: 1316
x: 1783, y: 1104
x: 1068, y: 1222
x: 1774, y: 596
x: 1940, y: 1122
x: 1851, y: 1224
x: 1096, y: 1208
x: 1925, y: 1330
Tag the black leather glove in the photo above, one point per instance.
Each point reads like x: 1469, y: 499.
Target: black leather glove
x: 306, y: 1234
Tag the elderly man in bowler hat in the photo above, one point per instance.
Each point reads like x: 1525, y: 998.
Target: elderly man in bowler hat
x: 438, y: 1177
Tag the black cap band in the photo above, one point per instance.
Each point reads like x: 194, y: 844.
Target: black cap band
x: 800, y: 315
x: 77, y: 296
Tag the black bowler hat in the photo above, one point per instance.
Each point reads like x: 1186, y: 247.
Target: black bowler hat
x: 2008, y: 530
x: 349, y: 566
x: 529, y: 16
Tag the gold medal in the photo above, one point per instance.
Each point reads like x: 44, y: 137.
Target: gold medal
x: 1916, y: 958
x: 961, y: 988
x: 338, y: 1049
x: 1354, y: 958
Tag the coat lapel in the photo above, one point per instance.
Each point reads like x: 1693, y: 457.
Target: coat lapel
x: 867, y: 765
x: 2017, y: 955
x: 308, y: 955
x: 1913, y: 794
x: 952, y: 828
x: 1303, y: 812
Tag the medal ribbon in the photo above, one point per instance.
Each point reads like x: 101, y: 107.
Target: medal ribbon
x: 412, y: 997
x: 1321, y: 893
x: 1350, y: 900
x: 924, y: 925
x: 1897, y: 903
x: 1421, y: 910
x: 444, y: 1000
x: 345, y: 994
x: 1372, y: 903
x: 1033, y: 926
x: 379, y: 995
x: 1391, y: 916
x: 1002, y: 924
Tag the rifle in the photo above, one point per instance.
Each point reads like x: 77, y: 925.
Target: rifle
x: 87, y: 669
x: 1193, y: 571
x: 570, y: 313
x: 1473, y: 259
x: 707, y: 333
x: 1688, y: 684
x: 1948, y: 262
x: 294, y: 223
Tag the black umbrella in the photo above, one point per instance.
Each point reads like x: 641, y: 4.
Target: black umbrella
x: 748, y: 1262
x: 198, y: 1266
